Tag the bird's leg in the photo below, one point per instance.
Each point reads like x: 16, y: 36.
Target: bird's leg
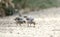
x: 28, y: 24
x: 34, y: 24
x: 20, y: 24
x: 16, y: 23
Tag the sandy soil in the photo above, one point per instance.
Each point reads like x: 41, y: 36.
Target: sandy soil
x: 48, y: 25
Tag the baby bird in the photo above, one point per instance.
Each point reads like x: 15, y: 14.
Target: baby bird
x: 20, y: 20
x: 30, y: 20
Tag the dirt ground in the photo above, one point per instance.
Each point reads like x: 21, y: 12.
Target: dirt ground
x: 48, y: 25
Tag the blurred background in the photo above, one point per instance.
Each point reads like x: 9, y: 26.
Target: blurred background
x: 10, y: 7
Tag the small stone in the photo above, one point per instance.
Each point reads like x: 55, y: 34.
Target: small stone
x: 18, y: 33
x: 10, y: 31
